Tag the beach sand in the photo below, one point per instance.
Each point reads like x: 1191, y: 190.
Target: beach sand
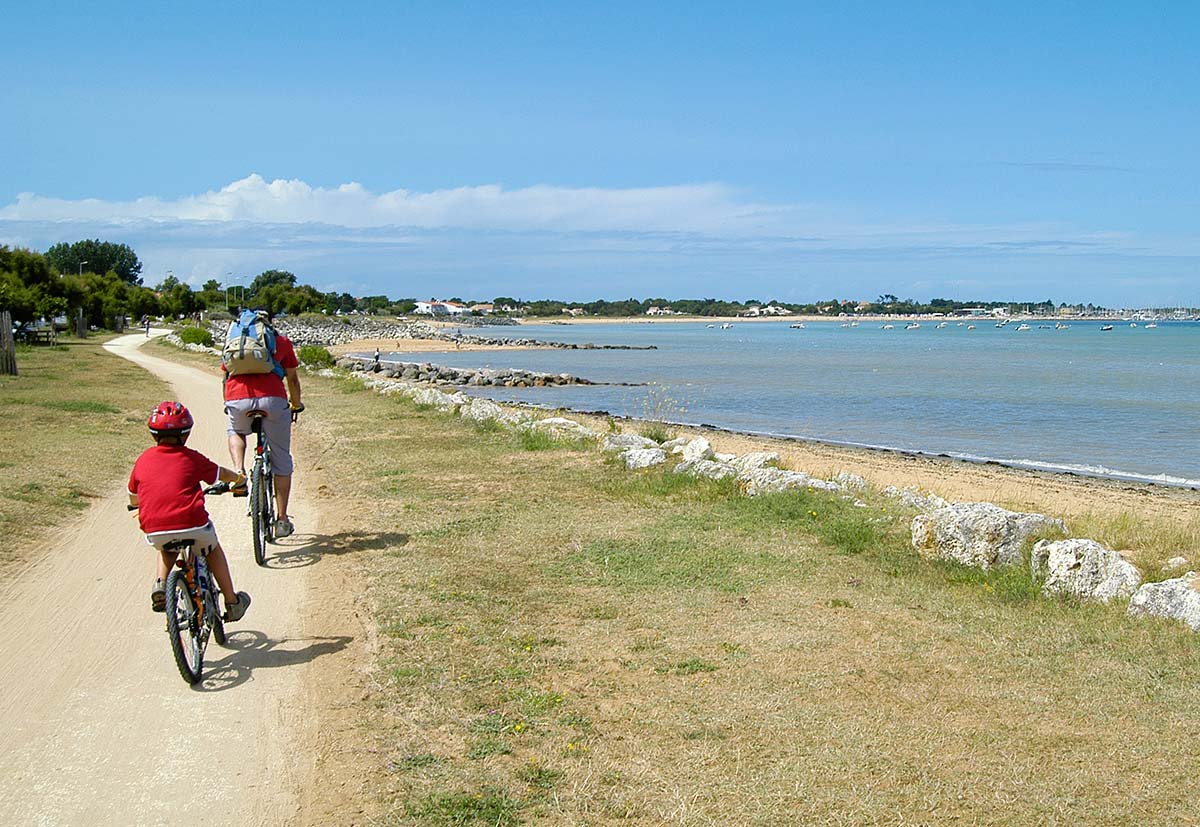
x: 1063, y: 495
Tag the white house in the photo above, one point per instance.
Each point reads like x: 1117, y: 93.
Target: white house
x: 433, y: 307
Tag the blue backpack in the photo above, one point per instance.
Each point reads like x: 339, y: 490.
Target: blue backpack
x: 250, y: 346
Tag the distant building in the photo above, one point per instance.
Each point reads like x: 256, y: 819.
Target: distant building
x: 661, y: 311
x: 573, y: 311
x: 433, y: 307
x: 482, y: 309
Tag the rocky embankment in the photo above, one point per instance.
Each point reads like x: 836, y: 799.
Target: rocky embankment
x: 432, y: 374
x: 340, y: 330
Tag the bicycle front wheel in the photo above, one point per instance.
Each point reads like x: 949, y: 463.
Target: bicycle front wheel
x: 259, y: 524
x: 183, y: 628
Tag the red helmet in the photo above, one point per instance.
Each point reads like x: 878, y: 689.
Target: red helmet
x: 168, y: 419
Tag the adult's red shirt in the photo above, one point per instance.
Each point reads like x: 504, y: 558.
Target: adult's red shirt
x: 167, y: 480
x: 263, y: 385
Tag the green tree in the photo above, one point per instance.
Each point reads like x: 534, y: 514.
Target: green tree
x: 98, y: 257
x: 270, y: 278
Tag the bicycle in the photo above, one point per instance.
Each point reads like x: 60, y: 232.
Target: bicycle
x: 262, y: 488
x: 191, y: 607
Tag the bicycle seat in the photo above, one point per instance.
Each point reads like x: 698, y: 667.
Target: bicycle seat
x: 178, y: 545
x: 256, y: 414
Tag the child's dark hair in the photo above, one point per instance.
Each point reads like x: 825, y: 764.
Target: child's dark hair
x: 170, y: 439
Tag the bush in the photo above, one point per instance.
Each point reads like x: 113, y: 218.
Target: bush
x: 315, y: 355
x: 193, y: 335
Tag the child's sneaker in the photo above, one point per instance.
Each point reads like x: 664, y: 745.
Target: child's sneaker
x: 236, y: 610
x: 158, y: 597
x: 283, y: 528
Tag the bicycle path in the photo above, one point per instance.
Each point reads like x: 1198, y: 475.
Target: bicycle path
x: 96, y: 725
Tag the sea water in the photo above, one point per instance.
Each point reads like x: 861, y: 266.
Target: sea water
x: 1123, y: 403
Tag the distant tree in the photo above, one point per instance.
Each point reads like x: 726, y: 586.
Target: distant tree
x: 268, y: 278
x: 165, y: 286
x: 505, y: 301
x: 98, y: 257
x: 212, y: 284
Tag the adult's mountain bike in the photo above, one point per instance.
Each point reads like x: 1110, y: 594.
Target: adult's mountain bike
x: 262, y: 488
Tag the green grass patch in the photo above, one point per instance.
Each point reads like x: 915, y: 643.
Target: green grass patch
x: 490, y: 807
x: 79, y: 406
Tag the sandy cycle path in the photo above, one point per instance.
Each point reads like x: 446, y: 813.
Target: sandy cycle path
x: 96, y: 725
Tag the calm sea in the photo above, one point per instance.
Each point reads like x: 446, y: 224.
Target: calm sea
x: 1123, y: 403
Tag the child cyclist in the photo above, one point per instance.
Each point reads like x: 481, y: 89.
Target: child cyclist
x: 165, y: 485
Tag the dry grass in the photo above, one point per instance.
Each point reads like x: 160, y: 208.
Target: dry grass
x: 564, y: 642
x: 71, y: 425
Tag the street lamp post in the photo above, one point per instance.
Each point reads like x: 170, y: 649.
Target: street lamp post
x: 81, y: 267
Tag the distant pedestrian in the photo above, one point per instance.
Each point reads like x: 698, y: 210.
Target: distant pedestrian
x: 146, y: 323
x: 376, y: 359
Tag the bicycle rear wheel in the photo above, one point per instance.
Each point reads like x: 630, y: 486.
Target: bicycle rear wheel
x: 183, y: 628
x: 259, y: 523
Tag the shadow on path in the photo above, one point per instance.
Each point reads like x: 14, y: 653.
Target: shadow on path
x: 302, y: 550
x: 253, y: 650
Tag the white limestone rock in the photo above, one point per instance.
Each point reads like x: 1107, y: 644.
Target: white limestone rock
x: 757, y: 459
x: 671, y: 445
x: 915, y: 498
x: 725, y: 458
x: 773, y: 480
x: 1175, y: 563
x: 643, y: 457
x: 697, y: 448
x: 485, y: 410
x: 850, y: 482
x: 1175, y: 599
x: 562, y: 428
x: 705, y: 468
x: 978, y: 534
x: 431, y: 397
x: 1083, y: 569
x: 623, y: 442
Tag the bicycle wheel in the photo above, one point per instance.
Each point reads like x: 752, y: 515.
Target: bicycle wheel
x: 258, y: 505
x: 187, y: 640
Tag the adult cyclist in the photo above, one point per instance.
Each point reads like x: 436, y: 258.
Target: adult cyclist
x: 279, y: 397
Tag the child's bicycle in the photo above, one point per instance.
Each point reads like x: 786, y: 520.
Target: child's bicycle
x: 192, y: 611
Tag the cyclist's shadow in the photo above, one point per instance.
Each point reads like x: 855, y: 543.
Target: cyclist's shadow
x: 302, y: 550
x: 253, y: 650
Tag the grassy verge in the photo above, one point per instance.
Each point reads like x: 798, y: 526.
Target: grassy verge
x: 71, y: 424
x: 565, y: 642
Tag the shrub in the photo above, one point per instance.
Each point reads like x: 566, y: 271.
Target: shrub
x: 315, y: 355
x: 192, y: 335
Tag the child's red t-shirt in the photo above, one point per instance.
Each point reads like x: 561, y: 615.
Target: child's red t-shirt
x: 167, y: 479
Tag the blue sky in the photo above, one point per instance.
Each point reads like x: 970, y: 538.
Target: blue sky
x: 792, y: 150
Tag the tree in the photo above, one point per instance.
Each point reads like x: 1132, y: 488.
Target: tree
x: 213, y: 285
x: 268, y: 278
x: 98, y: 257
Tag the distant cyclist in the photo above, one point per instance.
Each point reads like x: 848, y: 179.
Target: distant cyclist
x: 260, y: 375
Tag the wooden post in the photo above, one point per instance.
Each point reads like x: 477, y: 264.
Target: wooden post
x: 8, y: 348
x: 80, y: 324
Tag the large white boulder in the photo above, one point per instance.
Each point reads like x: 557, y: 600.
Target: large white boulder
x: 643, y: 457
x: 678, y: 442
x: 698, y: 448
x: 705, y: 468
x: 1176, y: 599
x: 562, y: 428
x: 757, y: 459
x: 915, y: 498
x: 481, y: 410
x: 850, y: 482
x: 436, y: 399
x: 979, y: 534
x: 773, y: 480
x: 623, y: 442
x: 1083, y: 569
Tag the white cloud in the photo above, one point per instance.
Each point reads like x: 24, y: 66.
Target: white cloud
x: 688, y: 208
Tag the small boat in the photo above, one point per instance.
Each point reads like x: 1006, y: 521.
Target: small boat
x: 799, y: 325
x: 958, y: 324
x: 940, y: 325
x: 1133, y: 324
x: 1106, y: 327
x: 710, y: 325
x: 970, y: 327
x: 854, y: 324
x: 912, y: 326
x: 726, y: 325
x: 843, y: 324
x: 887, y: 327
x: 1044, y: 327
x: 1023, y: 326
x: 1061, y: 326
x: 1152, y: 325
